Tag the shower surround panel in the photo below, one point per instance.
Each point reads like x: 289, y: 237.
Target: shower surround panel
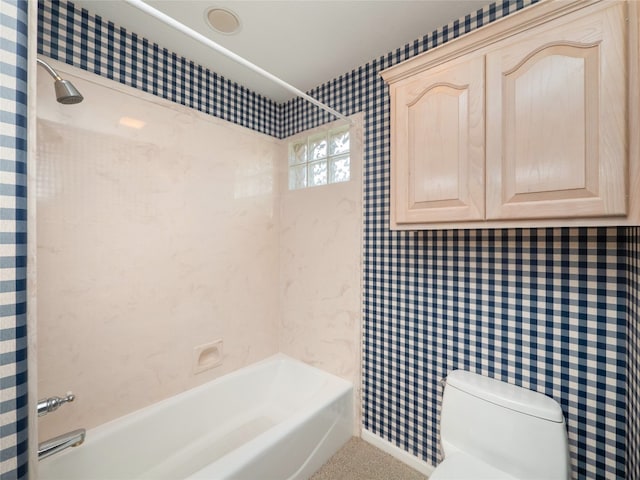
x: 320, y: 271
x: 314, y: 285
x: 157, y: 232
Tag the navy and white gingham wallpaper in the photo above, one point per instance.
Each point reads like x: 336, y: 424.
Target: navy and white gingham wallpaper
x: 13, y: 242
x: 76, y: 37
x: 542, y: 308
x: 633, y: 362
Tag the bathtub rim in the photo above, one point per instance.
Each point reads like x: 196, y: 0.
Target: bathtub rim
x: 341, y: 387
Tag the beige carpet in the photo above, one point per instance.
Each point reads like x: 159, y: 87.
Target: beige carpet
x: 358, y: 460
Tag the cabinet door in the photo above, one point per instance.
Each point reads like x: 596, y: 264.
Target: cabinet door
x: 556, y: 119
x: 437, y: 170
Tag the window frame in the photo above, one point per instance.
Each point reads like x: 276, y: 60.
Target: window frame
x: 306, y: 138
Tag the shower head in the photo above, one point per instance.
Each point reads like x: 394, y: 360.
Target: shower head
x: 66, y: 93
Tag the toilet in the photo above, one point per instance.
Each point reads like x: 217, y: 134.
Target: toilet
x: 494, y: 430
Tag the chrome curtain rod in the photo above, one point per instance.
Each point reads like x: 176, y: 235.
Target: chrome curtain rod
x: 172, y: 22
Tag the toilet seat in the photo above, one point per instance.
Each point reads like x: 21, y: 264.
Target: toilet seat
x: 461, y: 466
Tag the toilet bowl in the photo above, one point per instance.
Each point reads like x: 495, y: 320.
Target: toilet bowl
x: 494, y: 430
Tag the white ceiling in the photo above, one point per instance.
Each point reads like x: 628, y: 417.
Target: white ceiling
x: 304, y: 42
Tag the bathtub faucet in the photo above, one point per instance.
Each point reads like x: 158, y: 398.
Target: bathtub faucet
x: 60, y: 443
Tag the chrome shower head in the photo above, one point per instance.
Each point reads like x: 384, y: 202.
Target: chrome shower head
x: 66, y: 93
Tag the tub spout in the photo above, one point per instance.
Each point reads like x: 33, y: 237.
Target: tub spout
x: 60, y: 443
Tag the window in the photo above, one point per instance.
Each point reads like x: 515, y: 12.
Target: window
x: 319, y: 159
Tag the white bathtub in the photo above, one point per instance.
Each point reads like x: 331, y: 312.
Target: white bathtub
x: 277, y: 419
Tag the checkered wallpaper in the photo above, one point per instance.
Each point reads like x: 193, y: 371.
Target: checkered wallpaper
x: 633, y: 363
x: 542, y: 308
x: 13, y: 241
x: 75, y: 36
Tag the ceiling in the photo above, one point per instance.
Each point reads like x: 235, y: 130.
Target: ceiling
x: 304, y: 42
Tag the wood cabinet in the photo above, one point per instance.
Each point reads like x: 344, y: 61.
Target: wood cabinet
x: 528, y: 121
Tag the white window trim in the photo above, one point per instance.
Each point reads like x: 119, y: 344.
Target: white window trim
x: 355, y: 152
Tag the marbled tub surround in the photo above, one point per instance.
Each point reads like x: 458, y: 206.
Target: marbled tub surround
x: 148, y: 248
x: 121, y: 203
x: 418, y: 322
x: 320, y: 272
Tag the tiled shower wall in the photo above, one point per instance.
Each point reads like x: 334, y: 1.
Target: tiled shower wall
x: 13, y: 239
x: 557, y: 293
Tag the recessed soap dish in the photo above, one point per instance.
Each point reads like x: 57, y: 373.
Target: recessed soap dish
x: 207, y: 356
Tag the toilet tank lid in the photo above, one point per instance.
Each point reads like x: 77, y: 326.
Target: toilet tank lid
x: 506, y: 395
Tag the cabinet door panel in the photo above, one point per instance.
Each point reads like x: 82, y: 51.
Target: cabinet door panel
x: 557, y: 76
x: 438, y: 132
x: 437, y: 171
x: 556, y: 121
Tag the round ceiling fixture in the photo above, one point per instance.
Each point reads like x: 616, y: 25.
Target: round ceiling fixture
x: 223, y: 20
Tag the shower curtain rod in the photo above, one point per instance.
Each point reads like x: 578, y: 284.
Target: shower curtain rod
x: 172, y: 22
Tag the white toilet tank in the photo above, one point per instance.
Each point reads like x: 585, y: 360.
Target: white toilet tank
x: 513, y: 429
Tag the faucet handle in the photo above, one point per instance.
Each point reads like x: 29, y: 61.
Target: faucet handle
x: 69, y: 397
x: 51, y: 404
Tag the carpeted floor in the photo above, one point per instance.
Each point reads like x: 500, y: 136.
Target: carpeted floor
x: 358, y: 460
